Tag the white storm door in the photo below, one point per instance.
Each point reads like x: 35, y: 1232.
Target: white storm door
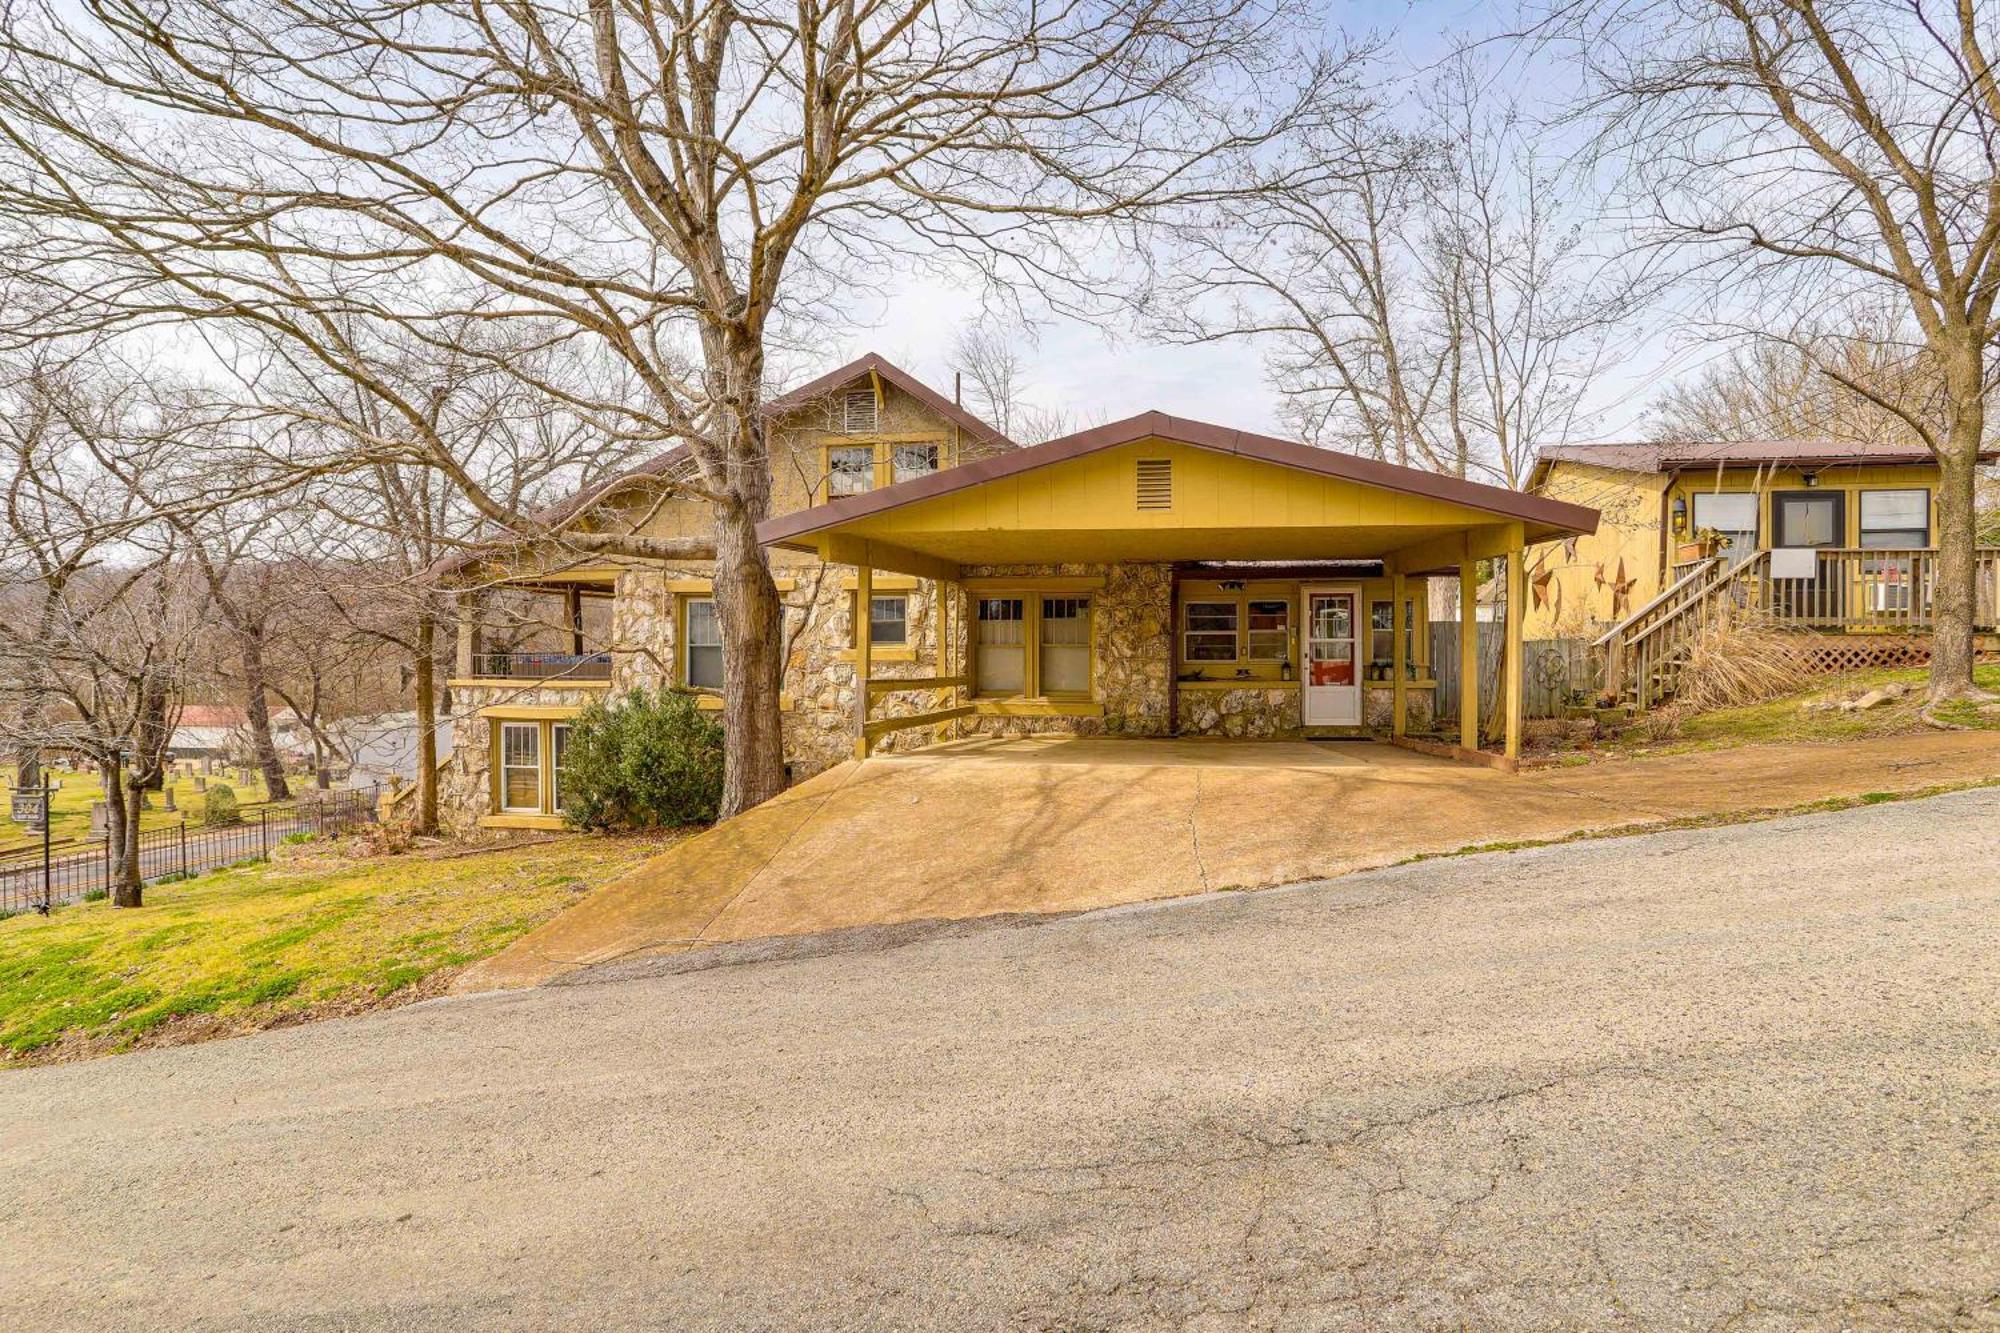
x: 1332, y: 686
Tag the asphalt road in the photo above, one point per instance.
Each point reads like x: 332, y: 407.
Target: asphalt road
x: 1743, y: 1078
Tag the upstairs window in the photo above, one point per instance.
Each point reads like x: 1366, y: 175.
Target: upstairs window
x: 909, y: 461
x: 850, y: 470
x: 1896, y: 520
x: 858, y: 412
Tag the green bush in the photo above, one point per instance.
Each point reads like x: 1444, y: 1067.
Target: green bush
x: 642, y: 761
x: 221, y: 807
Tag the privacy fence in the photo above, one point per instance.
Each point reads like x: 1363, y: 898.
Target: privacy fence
x: 40, y: 877
x: 1555, y: 672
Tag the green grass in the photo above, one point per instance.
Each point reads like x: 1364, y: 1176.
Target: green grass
x: 259, y: 945
x: 1784, y: 720
x: 72, y: 807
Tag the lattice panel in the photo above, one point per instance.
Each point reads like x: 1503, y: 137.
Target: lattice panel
x: 1884, y: 651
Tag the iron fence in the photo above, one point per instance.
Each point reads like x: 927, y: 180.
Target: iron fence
x: 44, y: 876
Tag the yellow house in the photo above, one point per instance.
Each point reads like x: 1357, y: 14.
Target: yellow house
x: 1151, y: 577
x: 1825, y: 535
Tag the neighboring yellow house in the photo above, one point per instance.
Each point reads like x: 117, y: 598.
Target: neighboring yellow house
x: 1824, y: 535
x: 1152, y: 577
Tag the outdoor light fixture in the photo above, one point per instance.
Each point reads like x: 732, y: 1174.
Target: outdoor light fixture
x: 1680, y: 513
x: 1231, y: 585
x: 1810, y: 478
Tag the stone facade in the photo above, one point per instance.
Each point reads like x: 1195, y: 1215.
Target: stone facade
x: 1378, y: 707
x: 465, y: 780
x: 1250, y: 712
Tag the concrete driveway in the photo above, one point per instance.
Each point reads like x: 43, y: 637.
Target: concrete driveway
x: 1735, y: 1078
x: 1053, y: 824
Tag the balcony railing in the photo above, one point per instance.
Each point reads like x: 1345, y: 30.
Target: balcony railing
x: 1864, y: 589
x: 542, y: 666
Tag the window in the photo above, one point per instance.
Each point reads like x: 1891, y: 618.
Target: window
x: 1065, y: 655
x: 702, y: 663
x: 850, y: 470
x: 858, y: 414
x: 888, y: 619
x: 520, y: 766
x: 1000, y: 649
x: 1734, y: 515
x: 1896, y: 519
x: 1381, y: 631
x: 909, y: 461
x: 558, y: 747
x: 1210, y: 632
x: 1270, y: 632
x: 1808, y: 518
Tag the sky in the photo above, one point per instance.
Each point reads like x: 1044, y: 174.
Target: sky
x: 1094, y: 373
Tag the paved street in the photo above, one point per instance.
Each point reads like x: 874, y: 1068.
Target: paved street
x: 1741, y: 1078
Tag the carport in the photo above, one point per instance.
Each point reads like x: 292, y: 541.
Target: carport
x: 1065, y: 571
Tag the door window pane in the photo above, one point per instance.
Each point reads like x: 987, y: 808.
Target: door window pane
x: 1065, y: 655
x: 1807, y: 520
x: 704, y: 645
x: 1000, y: 646
x: 1331, y: 650
x: 1211, y: 632
x: 1270, y: 631
x: 850, y: 470
x: 1896, y: 519
x: 520, y: 766
x: 913, y: 460
x: 1734, y: 515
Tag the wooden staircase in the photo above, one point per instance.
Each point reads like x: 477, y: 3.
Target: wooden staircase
x: 1645, y: 653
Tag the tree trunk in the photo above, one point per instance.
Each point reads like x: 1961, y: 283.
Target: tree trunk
x: 263, y: 751
x: 747, y: 605
x: 426, y: 688
x: 1954, y: 594
x: 126, y: 888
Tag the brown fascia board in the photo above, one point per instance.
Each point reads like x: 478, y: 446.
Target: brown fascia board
x: 834, y: 379
x: 1203, y: 435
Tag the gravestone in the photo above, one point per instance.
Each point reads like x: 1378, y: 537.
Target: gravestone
x: 170, y: 806
x: 200, y: 782
x: 100, y: 820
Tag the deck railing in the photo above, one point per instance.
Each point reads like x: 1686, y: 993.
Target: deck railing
x: 542, y: 666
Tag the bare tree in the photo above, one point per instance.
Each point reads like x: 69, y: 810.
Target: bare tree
x: 1420, y: 281
x: 668, y: 181
x: 991, y: 359
x: 1816, y: 155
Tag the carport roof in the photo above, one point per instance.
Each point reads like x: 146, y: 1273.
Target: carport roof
x: 1542, y: 519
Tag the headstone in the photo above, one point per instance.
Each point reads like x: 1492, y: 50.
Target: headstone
x: 100, y: 819
x: 200, y: 782
x: 170, y: 798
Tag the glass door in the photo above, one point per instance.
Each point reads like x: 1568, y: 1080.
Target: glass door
x: 1332, y: 689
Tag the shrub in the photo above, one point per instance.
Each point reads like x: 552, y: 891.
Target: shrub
x: 221, y: 807
x: 643, y: 761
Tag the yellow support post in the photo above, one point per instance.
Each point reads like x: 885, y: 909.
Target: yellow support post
x: 864, y: 655
x: 1468, y: 654
x: 1399, y: 656
x: 1517, y: 612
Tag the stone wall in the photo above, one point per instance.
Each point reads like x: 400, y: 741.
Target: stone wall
x: 465, y: 781
x: 1378, y: 707
x: 1248, y: 712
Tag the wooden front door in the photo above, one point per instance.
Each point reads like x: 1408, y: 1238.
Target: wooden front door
x: 1332, y: 686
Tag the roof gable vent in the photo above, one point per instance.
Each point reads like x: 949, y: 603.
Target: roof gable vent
x: 858, y: 414
x: 1156, y: 483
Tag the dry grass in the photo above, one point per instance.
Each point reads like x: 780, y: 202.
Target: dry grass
x: 1737, y: 662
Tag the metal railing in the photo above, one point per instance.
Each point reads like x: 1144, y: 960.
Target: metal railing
x: 32, y: 879
x: 542, y: 666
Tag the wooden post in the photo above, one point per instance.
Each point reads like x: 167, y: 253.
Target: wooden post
x: 468, y: 633
x: 1468, y: 653
x: 1399, y: 657
x: 1517, y: 611
x: 573, y: 597
x: 864, y: 655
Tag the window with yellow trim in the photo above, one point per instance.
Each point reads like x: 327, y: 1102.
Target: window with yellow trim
x: 528, y: 756
x: 1032, y: 645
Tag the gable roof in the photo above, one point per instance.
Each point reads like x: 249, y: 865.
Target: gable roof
x: 679, y: 457
x: 1545, y: 518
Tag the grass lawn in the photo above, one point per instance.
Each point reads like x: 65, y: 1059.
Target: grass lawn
x: 1785, y: 720
x: 266, y: 945
x: 73, y: 799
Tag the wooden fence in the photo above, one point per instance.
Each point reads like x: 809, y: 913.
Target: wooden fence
x: 1555, y: 670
